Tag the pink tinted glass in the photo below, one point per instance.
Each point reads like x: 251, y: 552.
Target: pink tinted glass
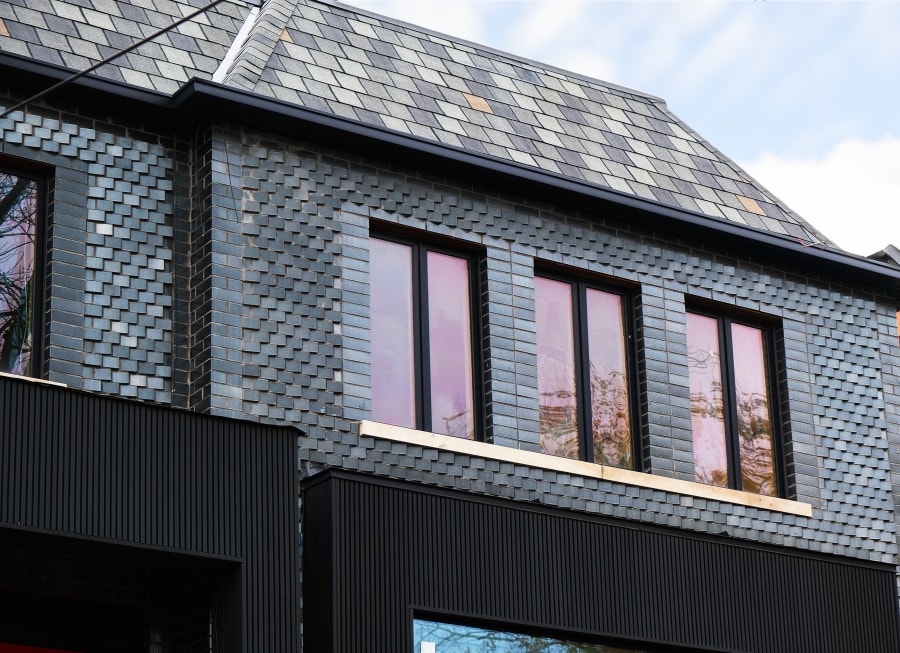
x: 450, y: 344
x: 610, y: 416
x: 753, y: 410
x: 556, y: 367
x: 707, y: 408
x: 18, y: 199
x: 393, y: 373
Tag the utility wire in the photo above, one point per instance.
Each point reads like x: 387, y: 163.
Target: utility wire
x: 113, y: 56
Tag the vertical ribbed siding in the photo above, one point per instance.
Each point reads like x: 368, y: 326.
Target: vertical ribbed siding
x: 79, y: 464
x: 391, y: 549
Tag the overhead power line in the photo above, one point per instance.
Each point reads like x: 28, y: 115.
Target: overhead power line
x: 112, y: 57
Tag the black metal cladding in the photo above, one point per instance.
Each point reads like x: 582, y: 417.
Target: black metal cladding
x: 77, y: 464
x: 377, y: 552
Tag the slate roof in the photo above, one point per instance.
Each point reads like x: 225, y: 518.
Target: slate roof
x: 380, y: 71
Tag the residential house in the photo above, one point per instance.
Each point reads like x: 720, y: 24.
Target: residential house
x: 546, y: 365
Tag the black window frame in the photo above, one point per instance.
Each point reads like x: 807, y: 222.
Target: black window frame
x: 42, y: 179
x: 773, y: 365
x: 579, y: 285
x: 420, y: 248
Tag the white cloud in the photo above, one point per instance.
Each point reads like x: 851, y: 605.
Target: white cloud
x: 544, y: 24
x: 461, y: 18
x: 722, y: 51
x: 852, y: 194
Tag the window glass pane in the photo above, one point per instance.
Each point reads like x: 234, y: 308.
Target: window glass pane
x: 754, y: 413
x: 393, y: 361
x: 437, y: 637
x: 18, y: 214
x: 450, y: 343
x: 707, y: 416
x: 556, y: 367
x: 609, y: 379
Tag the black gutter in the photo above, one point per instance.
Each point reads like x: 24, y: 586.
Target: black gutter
x: 37, y: 74
x: 81, y: 73
x: 203, y: 98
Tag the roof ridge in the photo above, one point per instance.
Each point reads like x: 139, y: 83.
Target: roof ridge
x: 255, y: 52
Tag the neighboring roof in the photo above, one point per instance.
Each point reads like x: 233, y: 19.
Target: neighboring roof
x: 889, y: 255
x: 379, y: 71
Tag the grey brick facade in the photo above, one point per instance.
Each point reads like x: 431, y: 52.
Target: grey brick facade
x: 276, y: 313
x: 217, y: 260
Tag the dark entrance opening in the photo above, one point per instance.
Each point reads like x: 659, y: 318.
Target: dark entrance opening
x: 67, y: 594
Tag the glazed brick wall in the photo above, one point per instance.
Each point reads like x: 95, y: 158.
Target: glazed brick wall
x: 301, y: 352
x: 230, y: 275
x: 109, y: 258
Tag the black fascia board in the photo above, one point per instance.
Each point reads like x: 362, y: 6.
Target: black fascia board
x: 28, y: 75
x: 198, y: 99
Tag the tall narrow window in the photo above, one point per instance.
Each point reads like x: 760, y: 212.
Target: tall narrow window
x: 583, y: 373
x: 731, y: 404
x: 18, y: 224
x: 422, y: 325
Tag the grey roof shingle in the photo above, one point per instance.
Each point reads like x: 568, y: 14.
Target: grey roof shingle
x: 328, y: 56
x: 80, y: 34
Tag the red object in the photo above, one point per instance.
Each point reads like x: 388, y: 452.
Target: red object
x: 18, y: 648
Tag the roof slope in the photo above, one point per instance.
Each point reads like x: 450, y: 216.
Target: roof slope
x: 79, y: 33
x: 334, y: 58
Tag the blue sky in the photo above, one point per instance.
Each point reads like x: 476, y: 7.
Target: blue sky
x: 804, y: 95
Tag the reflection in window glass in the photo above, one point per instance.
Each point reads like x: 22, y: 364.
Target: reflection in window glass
x: 393, y: 360
x: 707, y: 407
x: 450, y: 345
x: 610, y: 427
x: 556, y: 367
x: 753, y: 411
x: 437, y: 637
x: 583, y: 383
x: 18, y: 214
x: 421, y: 334
x: 731, y: 405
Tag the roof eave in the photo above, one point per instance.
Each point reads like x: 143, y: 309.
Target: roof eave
x: 204, y: 95
x: 842, y: 264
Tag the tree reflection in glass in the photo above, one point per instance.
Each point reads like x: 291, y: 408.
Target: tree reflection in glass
x: 18, y: 213
x: 753, y: 411
x: 437, y: 637
x: 707, y: 407
x: 748, y: 402
x: 556, y: 367
x: 610, y: 419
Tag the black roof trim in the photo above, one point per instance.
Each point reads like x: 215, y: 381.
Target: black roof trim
x: 38, y: 73
x: 210, y: 96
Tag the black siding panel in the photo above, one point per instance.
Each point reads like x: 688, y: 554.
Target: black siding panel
x: 382, y: 551
x: 90, y: 466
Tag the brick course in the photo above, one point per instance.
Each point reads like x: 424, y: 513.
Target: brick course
x: 227, y: 273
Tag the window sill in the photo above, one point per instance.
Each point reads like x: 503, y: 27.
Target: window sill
x: 582, y: 468
x: 32, y: 379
